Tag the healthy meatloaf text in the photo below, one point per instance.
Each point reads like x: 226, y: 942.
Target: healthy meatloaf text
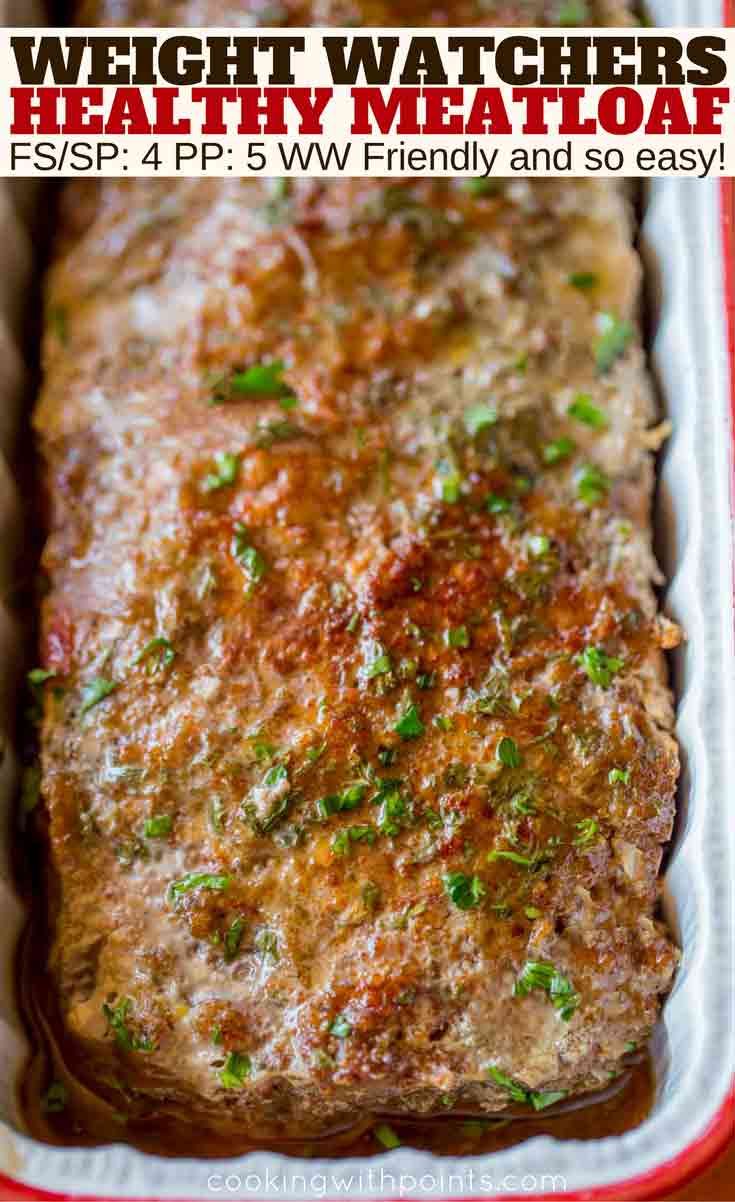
x: 356, y: 744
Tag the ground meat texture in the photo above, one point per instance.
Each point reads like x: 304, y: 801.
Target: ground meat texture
x: 356, y: 753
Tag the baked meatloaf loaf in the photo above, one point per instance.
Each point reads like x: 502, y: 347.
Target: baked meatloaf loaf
x: 356, y: 744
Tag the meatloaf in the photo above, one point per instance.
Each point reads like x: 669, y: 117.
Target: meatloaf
x: 356, y: 742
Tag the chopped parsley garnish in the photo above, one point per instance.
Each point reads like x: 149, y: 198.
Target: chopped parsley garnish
x: 116, y: 1017
x: 513, y: 857
x: 519, y: 1093
x: 158, y: 826
x: 532, y: 912
x: 619, y: 776
x: 336, y: 803
x: 267, y: 944
x: 584, y: 280
x: 393, y: 808
x: 233, y: 938
x: 159, y: 647
x: 443, y: 723
x: 466, y: 892
x: 539, y: 545
x: 38, y: 676
x: 197, y: 880
x: 582, y: 410
x: 227, y: 466
x: 600, y: 668
x: 237, y: 1067
x: 589, y: 829
x: 479, y: 418
x: 409, y: 725
x: 516, y: 1091
x: 96, y: 691
x: 574, y: 12
x: 247, y: 555
x: 555, y: 452
x: 275, y: 776
x: 426, y: 680
x: 614, y: 336
x: 538, y: 974
x: 457, y: 636
x: 262, y: 379
x: 386, y: 1136
x: 449, y: 482
x: 496, y: 504
x: 340, y: 1027
x: 352, y: 834
x: 481, y: 186
x: 380, y: 666
x: 54, y: 1100
x: 507, y: 753
x: 592, y: 484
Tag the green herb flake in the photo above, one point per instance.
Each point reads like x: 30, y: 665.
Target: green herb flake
x: 481, y: 186
x: 496, y: 504
x: 336, y: 803
x: 588, y: 831
x: 197, y: 880
x: 38, y: 677
x: 585, y: 281
x: 116, y: 1017
x: 441, y: 722
x: 466, y: 892
x: 539, y: 545
x: 340, y: 1027
x: 237, y: 1068
x: 538, y: 974
x: 233, y: 938
x: 158, y: 826
x: 513, y: 857
x: 95, y: 691
x: 516, y: 1091
x: 540, y: 1101
x: 449, y: 482
x: 583, y: 410
x: 380, y: 666
x: 507, y: 753
x: 532, y: 912
x: 409, y: 725
x: 600, y: 668
x: 161, y: 649
x: 619, y: 776
x: 267, y: 944
x: 227, y: 466
x: 261, y: 380
x: 612, y: 342
x: 247, y: 555
x: 386, y: 1136
x: 479, y: 418
x: 342, y: 841
x: 592, y: 484
x: 556, y: 452
x: 54, y: 1100
x: 457, y: 636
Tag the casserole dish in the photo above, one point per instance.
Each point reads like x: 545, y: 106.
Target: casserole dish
x: 676, y: 216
